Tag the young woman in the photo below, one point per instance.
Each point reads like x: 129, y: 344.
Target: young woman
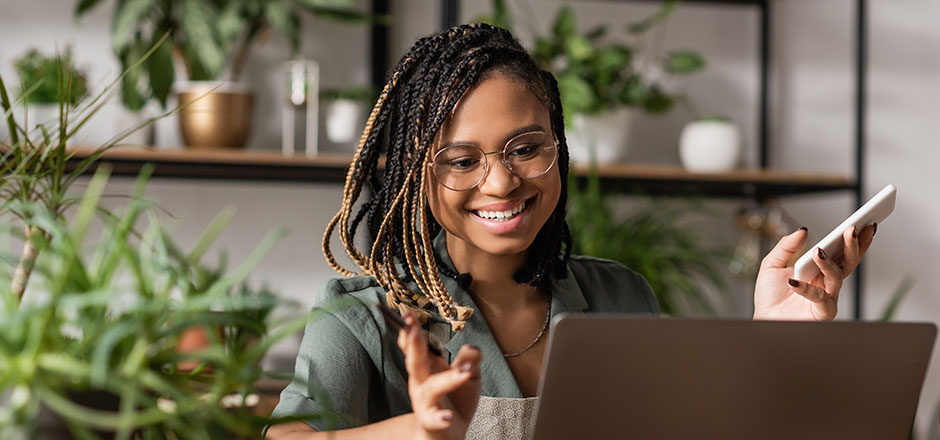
x: 470, y: 245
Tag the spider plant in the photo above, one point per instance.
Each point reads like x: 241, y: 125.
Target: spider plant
x: 98, y: 298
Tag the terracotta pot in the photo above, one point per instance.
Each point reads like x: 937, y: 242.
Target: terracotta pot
x: 216, y: 115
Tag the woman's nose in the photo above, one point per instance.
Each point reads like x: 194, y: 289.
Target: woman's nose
x: 499, y: 180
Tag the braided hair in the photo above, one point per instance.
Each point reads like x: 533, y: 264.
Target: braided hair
x: 421, y: 93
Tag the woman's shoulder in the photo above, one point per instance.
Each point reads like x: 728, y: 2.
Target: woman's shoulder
x: 610, y: 286
x: 364, y: 289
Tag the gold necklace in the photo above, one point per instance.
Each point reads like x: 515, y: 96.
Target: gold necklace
x: 548, y: 316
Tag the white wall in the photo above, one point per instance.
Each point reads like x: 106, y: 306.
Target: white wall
x: 812, y: 116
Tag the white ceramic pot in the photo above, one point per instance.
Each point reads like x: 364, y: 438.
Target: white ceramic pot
x: 603, y: 136
x: 709, y: 146
x: 344, y: 121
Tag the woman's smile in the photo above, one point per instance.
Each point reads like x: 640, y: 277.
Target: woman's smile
x: 503, y: 218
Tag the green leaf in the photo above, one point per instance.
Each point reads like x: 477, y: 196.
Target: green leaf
x: 661, y: 15
x: 283, y: 20
x: 83, y: 6
x: 545, y: 52
x: 634, y: 92
x: 576, y: 93
x: 682, y: 62
x: 565, y: 25
x: 899, y: 293
x: 207, y: 58
x: 160, y: 68
x: 131, y: 95
x: 127, y: 16
x: 657, y: 101
x: 596, y: 34
x: 230, y: 23
x: 578, y: 48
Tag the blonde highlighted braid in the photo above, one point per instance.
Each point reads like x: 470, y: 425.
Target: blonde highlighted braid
x: 422, y: 91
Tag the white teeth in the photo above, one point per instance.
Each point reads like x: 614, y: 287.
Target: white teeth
x: 501, y: 215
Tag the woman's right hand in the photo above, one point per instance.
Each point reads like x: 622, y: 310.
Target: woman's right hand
x: 443, y: 397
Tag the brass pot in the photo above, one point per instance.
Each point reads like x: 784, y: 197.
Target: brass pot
x: 215, y: 115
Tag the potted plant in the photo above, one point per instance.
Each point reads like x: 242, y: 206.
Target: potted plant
x: 39, y: 76
x: 604, y: 83
x: 346, y: 112
x: 90, y: 322
x: 211, y: 39
x: 654, y: 239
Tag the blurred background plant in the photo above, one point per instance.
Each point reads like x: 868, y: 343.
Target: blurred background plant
x: 596, y: 74
x: 211, y: 38
x: 655, y: 240
x: 92, y: 311
x: 39, y: 77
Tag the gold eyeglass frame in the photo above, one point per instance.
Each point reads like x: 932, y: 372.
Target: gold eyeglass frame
x: 503, y: 160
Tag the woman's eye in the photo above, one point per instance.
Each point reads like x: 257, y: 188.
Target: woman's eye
x: 462, y: 164
x: 523, y: 151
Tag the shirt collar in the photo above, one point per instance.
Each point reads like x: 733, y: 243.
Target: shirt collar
x: 499, y: 382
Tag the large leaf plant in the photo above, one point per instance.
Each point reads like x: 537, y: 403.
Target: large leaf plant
x: 596, y: 74
x: 209, y: 37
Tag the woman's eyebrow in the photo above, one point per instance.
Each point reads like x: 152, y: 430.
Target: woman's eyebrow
x: 506, y: 139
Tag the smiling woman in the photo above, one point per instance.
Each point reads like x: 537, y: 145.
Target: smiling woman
x: 469, y: 243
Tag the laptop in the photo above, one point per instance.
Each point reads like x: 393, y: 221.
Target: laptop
x: 615, y: 376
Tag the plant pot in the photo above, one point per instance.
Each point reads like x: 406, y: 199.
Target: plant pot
x: 709, y: 146
x: 215, y: 115
x: 344, y: 121
x: 602, y: 137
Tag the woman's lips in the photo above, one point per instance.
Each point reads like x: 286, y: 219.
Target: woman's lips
x: 504, y: 225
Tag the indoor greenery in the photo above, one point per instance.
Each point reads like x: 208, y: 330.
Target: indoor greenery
x: 653, y: 240
x: 596, y: 74
x: 210, y: 37
x: 97, y: 301
x: 39, y: 77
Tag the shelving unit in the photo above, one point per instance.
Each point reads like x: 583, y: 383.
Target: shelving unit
x: 758, y: 184
x: 765, y: 182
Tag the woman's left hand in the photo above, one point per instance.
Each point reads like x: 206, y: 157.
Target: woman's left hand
x: 780, y: 297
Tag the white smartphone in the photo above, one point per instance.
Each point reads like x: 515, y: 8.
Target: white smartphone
x: 875, y: 210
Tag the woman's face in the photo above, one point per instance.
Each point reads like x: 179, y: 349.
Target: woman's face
x: 488, y: 116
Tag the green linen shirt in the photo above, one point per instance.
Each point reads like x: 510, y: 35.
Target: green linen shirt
x: 350, y: 371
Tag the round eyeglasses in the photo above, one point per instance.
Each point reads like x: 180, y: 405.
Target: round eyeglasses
x: 462, y: 167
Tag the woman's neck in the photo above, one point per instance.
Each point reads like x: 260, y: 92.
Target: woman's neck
x: 493, y: 283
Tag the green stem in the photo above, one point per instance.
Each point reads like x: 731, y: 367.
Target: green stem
x: 25, y: 266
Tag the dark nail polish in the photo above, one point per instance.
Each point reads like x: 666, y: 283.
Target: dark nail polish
x: 804, y: 228
x: 875, y: 226
x: 854, y: 232
x: 793, y: 282
x: 821, y: 253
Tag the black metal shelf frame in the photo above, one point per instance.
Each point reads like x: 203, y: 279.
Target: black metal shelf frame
x: 450, y: 17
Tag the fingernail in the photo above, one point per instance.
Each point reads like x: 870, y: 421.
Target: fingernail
x: 465, y: 367
x: 854, y: 232
x: 475, y: 347
x: 793, y: 282
x: 410, y: 320
x: 821, y: 253
x: 447, y: 417
x: 875, y: 226
x: 804, y: 228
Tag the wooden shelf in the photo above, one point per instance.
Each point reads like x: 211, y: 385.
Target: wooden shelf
x: 331, y: 168
x: 674, y: 180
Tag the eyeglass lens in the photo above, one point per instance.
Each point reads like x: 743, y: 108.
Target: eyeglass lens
x: 461, y: 167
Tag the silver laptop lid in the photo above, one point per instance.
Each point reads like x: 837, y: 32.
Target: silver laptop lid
x: 615, y: 376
